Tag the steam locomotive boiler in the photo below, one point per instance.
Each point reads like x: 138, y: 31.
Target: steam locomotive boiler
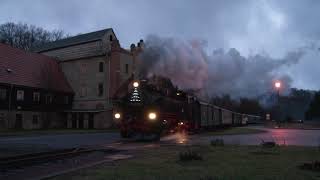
x: 146, y: 111
x: 154, y: 107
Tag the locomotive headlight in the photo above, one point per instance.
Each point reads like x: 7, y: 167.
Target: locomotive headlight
x: 117, y: 115
x: 152, y: 116
x: 135, y: 84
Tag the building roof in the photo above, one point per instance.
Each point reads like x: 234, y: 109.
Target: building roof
x: 23, y: 68
x: 82, y: 38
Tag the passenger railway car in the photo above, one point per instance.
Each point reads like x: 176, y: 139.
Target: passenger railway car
x: 148, y: 111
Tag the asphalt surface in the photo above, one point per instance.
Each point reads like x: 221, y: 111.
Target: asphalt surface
x: 280, y: 136
x: 29, y: 144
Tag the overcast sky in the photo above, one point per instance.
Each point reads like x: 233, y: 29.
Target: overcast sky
x: 250, y: 26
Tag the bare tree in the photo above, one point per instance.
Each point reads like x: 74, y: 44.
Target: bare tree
x: 26, y: 36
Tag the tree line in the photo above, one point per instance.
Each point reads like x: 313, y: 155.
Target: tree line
x: 27, y: 37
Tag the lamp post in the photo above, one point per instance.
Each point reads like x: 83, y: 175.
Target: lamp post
x: 277, y: 85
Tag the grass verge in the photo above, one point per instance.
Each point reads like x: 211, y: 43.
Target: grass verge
x: 228, y: 162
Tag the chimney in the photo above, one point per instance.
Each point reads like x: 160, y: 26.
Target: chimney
x: 140, y: 44
x: 133, y: 47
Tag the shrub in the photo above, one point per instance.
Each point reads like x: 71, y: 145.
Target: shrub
x: 189, y: 155
x: 217, y: 142
x: 268, y: 144
x: 313, y: 166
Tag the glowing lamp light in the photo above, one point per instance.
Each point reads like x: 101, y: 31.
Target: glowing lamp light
x: 152, y: 116
x: 117, y: 115
x: 277, y: 85
x: 135, y: 84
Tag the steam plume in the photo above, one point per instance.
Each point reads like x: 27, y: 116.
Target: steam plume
x: 189, y: 67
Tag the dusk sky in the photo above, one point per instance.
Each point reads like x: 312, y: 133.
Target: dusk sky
x: 250, y: 26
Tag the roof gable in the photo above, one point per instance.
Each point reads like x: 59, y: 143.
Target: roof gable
x: 79, y: 39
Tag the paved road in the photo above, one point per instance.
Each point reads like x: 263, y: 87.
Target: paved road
x: 281, y: 136
x: 16, y: 145
x: 47, y: 142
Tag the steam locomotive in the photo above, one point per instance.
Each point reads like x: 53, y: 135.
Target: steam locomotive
x: 155, y: 107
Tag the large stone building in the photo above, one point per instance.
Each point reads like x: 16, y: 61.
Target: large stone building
x: 34, y: 92
x: 95, y: 66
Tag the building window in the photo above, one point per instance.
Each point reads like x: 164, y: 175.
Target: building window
x: 101, y: 64
x: 2, y: 123
x: 100, y: 89
x: 3, y: 94
x: 48, y: 99
x: 110, y: 37
x: 83, y: 91
x: 35, y: 119
x: 66, y: 99
x: 127, y: 68
x: 83, y: 68
x: 36, y: 97
x: 20, y: 95
x: 18, y: 123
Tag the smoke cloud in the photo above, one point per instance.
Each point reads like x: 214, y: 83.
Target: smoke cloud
x: 189, y: 66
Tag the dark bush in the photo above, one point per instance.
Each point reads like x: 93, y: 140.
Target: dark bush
x: 313, y: 166
x: 217, y: 142
x: 268, y: 144
x: 189, y: 155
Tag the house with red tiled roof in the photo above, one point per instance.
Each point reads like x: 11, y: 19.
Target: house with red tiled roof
x: 34, y: 92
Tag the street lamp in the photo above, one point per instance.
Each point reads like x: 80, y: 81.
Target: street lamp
x: 277, y: 85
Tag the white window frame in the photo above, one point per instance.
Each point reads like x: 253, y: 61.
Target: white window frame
x: 20, y: 95
x: 66, y: 99
x: 83, y: 91
x: 49, y: 99
x: 36, y: 97
x: 38, y: 117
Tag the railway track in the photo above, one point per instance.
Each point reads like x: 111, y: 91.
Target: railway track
x: 35, y: 158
